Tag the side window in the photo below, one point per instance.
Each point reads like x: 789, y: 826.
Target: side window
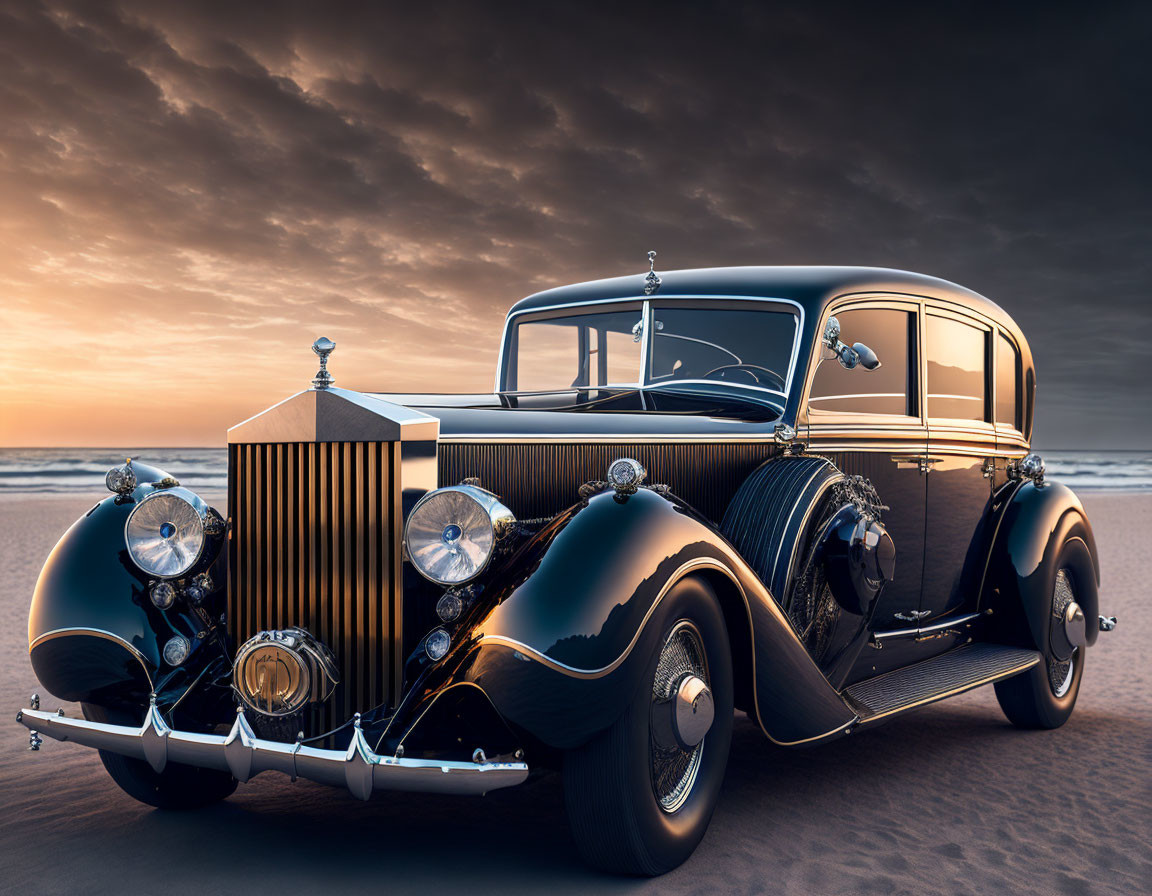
x: 1007, y: 382
x: 956, y: 354
x: 888, y: 332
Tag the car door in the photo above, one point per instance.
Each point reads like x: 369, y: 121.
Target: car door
x: 868, y: 422
x: 960, y: 460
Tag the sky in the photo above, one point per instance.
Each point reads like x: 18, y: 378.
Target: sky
x: 191, y: 193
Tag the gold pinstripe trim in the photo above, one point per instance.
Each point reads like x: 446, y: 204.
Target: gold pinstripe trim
x: 92, y: 633
x: 698, y: 563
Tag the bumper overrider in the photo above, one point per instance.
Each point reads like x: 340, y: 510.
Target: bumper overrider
x: 244, y: 755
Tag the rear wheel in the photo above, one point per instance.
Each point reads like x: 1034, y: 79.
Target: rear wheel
x: 177, y: 787
x: 1045, y: 695
x: 640, y: 794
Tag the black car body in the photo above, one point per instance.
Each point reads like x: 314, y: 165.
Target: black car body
x: 762, y: 517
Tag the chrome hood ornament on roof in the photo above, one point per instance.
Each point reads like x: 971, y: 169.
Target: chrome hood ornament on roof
x: 652, y: 280
x: 323, y: 348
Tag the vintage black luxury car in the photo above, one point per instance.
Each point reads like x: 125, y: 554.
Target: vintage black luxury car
x: 806, y: 493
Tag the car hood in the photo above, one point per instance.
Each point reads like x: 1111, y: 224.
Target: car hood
x: 623, y: 415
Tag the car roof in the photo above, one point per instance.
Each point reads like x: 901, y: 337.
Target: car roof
x: 810, y: 286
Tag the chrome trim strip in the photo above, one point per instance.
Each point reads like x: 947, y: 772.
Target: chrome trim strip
x: 592, y: 438
x: 860, y: 395
x: 935, y: 627
x: 697, y: 563
x: 93, y: 633
x: 833, y: 446
x: 244, y: 755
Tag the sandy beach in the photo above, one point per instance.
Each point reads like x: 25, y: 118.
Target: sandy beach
x: 949, y: 799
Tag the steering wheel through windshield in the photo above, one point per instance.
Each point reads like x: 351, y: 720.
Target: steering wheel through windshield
x: 758, y: 375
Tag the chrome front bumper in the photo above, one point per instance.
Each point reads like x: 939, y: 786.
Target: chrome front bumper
x: 244, y: 755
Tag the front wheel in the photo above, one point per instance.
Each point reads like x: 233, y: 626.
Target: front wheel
x: 640, y: 794
x: 177, y: 787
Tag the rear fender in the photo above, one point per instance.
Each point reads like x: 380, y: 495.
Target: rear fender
x: 1037, y: 522
x: 562, y: 651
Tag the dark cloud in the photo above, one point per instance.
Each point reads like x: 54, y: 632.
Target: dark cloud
x: 222, y: 180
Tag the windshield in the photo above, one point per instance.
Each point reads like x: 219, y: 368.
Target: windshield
x: 741, y: 343
x: 578, y: 351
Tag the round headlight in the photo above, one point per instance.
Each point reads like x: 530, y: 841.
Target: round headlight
x: 165, y: 532
x: 452, y: 532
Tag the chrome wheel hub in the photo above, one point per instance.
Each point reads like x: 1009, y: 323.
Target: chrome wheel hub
x: 694, y: 712
x: 1069, y: 634
x: 682, y: 712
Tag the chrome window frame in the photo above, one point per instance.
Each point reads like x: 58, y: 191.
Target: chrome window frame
x: 879, y: 301
x: 1008, y: 430
x: 968, y: 317
x: 645, y: 346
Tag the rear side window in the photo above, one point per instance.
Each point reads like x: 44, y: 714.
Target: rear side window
x: 956, y: 353
x: 1007, y: 382
x: 887, y: 332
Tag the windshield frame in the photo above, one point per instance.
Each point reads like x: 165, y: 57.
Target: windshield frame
x: 644, y: 380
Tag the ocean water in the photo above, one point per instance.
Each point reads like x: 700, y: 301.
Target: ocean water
x: 80, y: 471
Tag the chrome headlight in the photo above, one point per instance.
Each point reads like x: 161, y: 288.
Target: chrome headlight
x: 452, y: 532
x: 165, y: 532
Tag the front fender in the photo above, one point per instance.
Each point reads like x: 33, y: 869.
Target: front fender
x: 1036, y: 524
x: 93, y: 633
x: 562, y: 650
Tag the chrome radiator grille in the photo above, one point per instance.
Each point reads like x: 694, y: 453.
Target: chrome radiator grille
x: 314, y: 542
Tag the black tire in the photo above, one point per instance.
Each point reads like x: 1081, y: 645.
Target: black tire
x: 617, y: 818
x: 177, y: 787
x: 1045, y: 695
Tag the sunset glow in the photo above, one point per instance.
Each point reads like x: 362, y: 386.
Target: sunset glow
x: 188, y: 200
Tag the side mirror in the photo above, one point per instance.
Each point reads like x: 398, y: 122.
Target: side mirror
x: 866, y: 356
x: 849, y: 356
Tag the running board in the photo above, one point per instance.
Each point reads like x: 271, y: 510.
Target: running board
x: 942, y: 676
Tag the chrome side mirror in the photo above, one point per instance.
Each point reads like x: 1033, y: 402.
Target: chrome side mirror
x: 867, y: 357
x: 849, y: 356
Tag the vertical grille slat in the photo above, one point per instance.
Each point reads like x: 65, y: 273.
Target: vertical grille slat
x: 538, y: 480
x: 311, y: 545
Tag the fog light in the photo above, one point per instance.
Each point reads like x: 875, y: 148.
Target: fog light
x: 177, y: 650
x: 436, y: 644
x: 163, y: 595
x: 449, y: 607
x: 198, y: 589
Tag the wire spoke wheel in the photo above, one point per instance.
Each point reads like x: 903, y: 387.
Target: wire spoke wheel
x: 674, y: 769
x: 1060, y: 672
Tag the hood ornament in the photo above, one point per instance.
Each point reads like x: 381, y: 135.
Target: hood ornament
x: 652, y: 281
x: 323, y: 348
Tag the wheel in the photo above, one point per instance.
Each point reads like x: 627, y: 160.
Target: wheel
x: 177, y: 787
x: 640, y: 794
x: 1044, y: 696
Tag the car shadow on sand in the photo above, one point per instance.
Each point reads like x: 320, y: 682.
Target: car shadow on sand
x: 292, y: 836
